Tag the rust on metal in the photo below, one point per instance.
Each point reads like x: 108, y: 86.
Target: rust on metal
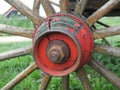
x: 58, y: 51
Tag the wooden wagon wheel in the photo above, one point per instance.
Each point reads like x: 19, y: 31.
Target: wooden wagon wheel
x: 33, y: 15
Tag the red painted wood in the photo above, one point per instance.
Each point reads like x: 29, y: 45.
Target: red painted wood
x: 63, y: 27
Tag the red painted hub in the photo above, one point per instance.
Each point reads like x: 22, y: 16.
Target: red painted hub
x: 62, y: 43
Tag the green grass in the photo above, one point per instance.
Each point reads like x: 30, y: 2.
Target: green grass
x: 109, y: 21
x: 16, y: 21
x: 14, y: 45
x: 12, y: 67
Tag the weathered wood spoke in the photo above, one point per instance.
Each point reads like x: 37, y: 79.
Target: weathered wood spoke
x: 80, y: 7
x: 105, y: 40
x: 106, y: 73
x: 15, y: 53
x: 84, y: 79
x: 102, y: 11
x: 107, y: 50
x: 54, y: 3
x: 45, y: 82
x: 106, y: 32
x: 20, y: 77
x: 36, y: 6
x: 65, y: 83
x: 35, y: 18
x: 16, y: 31
x: 64, y: 6
x: 48, y: 7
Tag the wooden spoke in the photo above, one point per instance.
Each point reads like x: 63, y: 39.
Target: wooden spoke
x: 35, y: 18
x: 103, y: 24
x: 15, y: 53
x: 80, y: 7
x: 84, y: 79
x: 102, y: 11
x: 106, y: 73
x: 64, y: 6
x: 103, y: 38
x: 20, y: 77
x: 65, y: 83
x: 106, y: 41
x: 107, y: 50
x: 110, y: 31
x: 54, y: 3
x: 45, y: 82
x: 16, y: 31
x: 36, y: 6
x: 48, y: 7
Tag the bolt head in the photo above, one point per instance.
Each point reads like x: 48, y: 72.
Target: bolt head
x: 56, y: 54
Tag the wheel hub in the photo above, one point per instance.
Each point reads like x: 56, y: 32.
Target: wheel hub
x: 57, y: 51
x: 62, y: 43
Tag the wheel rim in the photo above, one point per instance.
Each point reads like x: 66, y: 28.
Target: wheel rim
x: 35, y: 18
